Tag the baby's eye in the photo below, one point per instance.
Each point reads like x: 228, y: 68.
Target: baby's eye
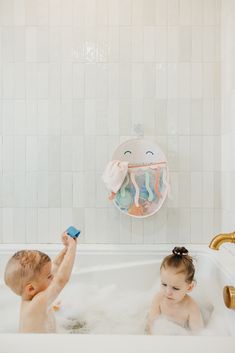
x: 164, y: 284
x: 176, y: 288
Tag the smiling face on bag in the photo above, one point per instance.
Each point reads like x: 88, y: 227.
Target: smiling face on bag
x: 139, y: 151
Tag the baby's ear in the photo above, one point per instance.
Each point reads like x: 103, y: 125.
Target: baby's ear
x: 30, y: 290
x: 190, y: 286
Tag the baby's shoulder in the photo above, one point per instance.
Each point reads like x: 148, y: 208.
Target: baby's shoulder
x: 38, y: 302
x: 28, y: 308
x: 192, y: 304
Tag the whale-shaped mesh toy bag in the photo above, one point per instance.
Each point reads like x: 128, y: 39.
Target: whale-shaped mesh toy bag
x: 138, y: 177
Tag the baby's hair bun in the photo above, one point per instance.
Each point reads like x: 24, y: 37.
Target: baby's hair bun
x: 180, y: 251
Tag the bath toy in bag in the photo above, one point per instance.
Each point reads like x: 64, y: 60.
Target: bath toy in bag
x: 73, y: 232
x: 124, y: 196
x: 137, y: 177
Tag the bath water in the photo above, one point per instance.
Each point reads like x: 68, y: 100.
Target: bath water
x: 93, y: 309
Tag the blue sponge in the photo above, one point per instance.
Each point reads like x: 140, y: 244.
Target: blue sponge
x: 73, y: 232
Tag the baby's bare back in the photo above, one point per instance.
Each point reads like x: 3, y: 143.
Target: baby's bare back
x: 36, y: 318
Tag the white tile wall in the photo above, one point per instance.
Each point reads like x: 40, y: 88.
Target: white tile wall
x: 76, y: 75
x: 228, y: 125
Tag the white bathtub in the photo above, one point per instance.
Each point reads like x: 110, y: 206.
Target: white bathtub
x: 113, y: 284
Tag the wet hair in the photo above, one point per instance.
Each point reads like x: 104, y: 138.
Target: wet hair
x: 180, y: 259
x: 22, y: 267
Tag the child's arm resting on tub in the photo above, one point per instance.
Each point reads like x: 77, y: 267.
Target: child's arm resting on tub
x: 153, y: 313
x: 63, y: 272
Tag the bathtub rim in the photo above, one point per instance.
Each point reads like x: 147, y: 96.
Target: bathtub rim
x: 10, y: 343
x: 224, y: 258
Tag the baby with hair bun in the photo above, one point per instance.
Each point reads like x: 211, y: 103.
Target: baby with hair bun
x: 172, y: 301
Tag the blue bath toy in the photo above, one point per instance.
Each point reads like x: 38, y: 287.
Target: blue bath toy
x: 124, y: 201
x: 123, y: 196
x: 149, y: 190
x: 73, y: 232
x: 144, y: 193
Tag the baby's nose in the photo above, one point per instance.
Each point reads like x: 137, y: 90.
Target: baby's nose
x: 169, y: 291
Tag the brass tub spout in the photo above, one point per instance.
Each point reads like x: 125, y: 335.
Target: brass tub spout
x: 229, y: 291
x: 229, y: 297
x: 219, y: 239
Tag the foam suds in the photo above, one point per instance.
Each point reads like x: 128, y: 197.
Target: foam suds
x: 94, y: 309
x: 106, y: 310
x: 10, y: 305
x: 164, y: 326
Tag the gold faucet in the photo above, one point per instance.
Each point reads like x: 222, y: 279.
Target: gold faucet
x: 229, y: 297
x: 229, y: 291
x: 219, y: 239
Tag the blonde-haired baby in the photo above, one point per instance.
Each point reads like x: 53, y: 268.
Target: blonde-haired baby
x: 172, y: 301
x: 38, y: 281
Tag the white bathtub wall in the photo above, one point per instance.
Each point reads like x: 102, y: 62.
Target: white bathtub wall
x: 228, y: 117
x: 76, y: 76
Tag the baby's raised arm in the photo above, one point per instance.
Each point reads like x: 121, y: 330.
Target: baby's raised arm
x: 153, y: 313
x: 57, y: 260
x: 63, y: 272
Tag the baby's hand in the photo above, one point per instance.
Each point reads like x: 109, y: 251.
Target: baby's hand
x: 67, y: 240
x: 56, y: 306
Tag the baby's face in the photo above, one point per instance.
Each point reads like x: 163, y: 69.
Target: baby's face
x: 173, y: 285
x: 44, y: 278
